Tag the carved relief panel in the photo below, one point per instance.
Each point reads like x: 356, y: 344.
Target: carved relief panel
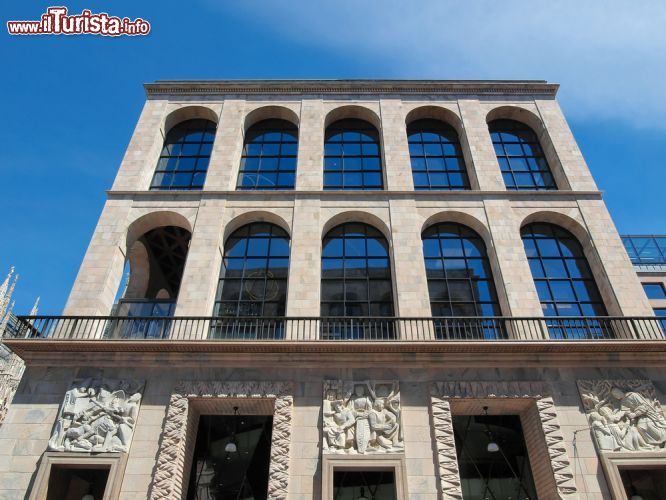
x: 97, y: 416
x: 624, y: 415
x: 362, y: 417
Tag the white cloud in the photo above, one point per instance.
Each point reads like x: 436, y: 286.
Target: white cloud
x: 610, y: 57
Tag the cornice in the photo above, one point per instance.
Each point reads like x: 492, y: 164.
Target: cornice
x: 315, y: 354
x: 332, y: 195
x: 351, y: 87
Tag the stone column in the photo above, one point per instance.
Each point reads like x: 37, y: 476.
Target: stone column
x: 304, y: 286
x: 310, y: 165
x: 488, y: 174
x: 614, y: 273
x: 100, y: 273
x: 513, y: 277
x: 410, y: 284
x: 202, y: 267
x: 564, y: 147
x: 138, y: 164
x: 227, y: 148
x: 394, y: 143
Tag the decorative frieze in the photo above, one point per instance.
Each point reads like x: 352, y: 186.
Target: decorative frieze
x: 169, y: 472
x: 625, y: 415
x: 362, y: 417
x: 441, y: 395
x: 97, y: 416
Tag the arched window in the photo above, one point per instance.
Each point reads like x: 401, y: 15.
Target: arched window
x: 253, y: 281
x: 269, y: 156
x: 563, y: 279
x: 460, y: 282
x: 351, y: 156
x: 356, y: 279
x: 184, y: 159
x: 521, y: 159
x: 437, y: 160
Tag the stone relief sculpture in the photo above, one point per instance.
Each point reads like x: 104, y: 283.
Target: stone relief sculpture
x: 362, y: 417
x: 624, y: 415
x: 97, y: 416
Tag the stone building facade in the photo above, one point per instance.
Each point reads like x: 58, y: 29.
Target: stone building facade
x: 568, y: 406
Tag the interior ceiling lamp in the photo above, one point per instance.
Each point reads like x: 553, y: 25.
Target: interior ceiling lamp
x: 492, y: 447
x: 232, y: 446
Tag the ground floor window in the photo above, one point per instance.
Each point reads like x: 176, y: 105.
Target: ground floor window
x: 492, y: 458
x: 231, y: 458
x: 364, y: 485
x: 68, y: 482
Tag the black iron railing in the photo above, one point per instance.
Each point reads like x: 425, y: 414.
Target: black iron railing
x: 338, y: 329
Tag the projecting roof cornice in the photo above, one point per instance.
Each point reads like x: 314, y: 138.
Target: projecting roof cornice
x: 343, y: 87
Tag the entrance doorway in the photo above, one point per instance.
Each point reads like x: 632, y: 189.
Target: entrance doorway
x: 231, y: 458
x: 364, y: 484
x: 492, y: 458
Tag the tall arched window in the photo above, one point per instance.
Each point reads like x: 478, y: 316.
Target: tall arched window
x: 460, y: 282
x: 269, y: 156
x: 356, y: 280
x: 184, y: 159
x: 253, y: 280
x: 437, y: 160
x: 563, y: 279
x: 351, y: 156
x: 521, y: 159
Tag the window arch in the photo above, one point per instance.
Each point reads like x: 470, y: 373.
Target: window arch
x: 269, y: 156
x: 563, y: 279
x: 351, y: 156
x: 253, y: 278
x: 356, y: 272
x: 520, y: 156
x: 185, y: 155
x: 460, y: 281
x: 436, y: 156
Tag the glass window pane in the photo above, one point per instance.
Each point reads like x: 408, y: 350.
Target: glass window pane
x: 457, y: 294
x: 261, y: 250
x: 654, y: 290
x: 569, y: 285
x: 517, y: 151
x: 366, y: 280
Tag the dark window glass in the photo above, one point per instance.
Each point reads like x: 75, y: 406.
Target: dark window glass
x: 520, y: 156
x: 485, y: 473
x: 184, y: 159
x: 460, y: 281
x: 356, y: 274
x: 436, y: 156
x: 654, y: 290
x: 253, y: 279
x: 563, y: 279
x: 269, y: 156
x: 351, y: 156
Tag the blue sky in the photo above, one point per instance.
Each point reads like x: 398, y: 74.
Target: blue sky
x: 70, y: 103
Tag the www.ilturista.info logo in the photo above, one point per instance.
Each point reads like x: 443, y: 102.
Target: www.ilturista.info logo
x: 56, y: 21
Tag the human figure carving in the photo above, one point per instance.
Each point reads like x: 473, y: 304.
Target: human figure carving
x: 366, y: 419
x: 94, y: 418
x: 623, y: 420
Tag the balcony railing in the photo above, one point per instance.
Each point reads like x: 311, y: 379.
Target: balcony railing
x: 440, y: 329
